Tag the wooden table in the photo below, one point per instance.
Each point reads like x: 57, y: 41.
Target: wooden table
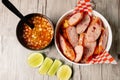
x: 13, y: 55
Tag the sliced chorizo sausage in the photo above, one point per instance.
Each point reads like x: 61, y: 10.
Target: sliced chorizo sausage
x: 64, y: 34
x: 89, y: 48
x: 83, y: 24
x: 79, y: 53
x: 75, y: 18
x: 67, y: 49
x: 93, y: 32
x: 104, y: 38
x: 72, y: 36
x: 102, y: 42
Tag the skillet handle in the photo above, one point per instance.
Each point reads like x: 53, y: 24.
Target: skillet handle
x: 11, y: 7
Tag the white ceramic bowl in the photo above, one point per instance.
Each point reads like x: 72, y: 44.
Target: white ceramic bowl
x: 60, y: 21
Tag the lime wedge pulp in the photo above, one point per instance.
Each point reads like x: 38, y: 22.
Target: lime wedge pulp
x: 35, y: 59
x: 45, y: 66
x: 55, y: 66
x: 64, y: 72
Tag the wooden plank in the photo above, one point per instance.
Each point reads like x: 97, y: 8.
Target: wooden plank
x: 15, y: 60
x: 113, y: 20
x: 90, y: 72
x: 40, y: 6
x: 3, y: 67
x: 28, y: 6
x: 76, y: 73
x: 8, y: 58
x: 8, y: 22
x: 0, y: 44
x: 37, y: 75
x: 118, y: 48
x: 111, y: 72
x: 109, y: 9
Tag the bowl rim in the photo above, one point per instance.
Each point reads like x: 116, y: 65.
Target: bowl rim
x: 105, y: 22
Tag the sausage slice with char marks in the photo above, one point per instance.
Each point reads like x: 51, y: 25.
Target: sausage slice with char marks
x: 79, y: 53
x: 104, y: 38
x: 102, y: 42
x: 89, y: 48
x: 79, y: 48
x: 67, y: 48
x: 72, y: 36
x: 93, y: 32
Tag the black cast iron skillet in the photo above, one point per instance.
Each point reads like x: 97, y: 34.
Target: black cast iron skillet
x: 23, y: 19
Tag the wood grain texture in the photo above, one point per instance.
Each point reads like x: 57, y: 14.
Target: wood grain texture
x: 13, y: 55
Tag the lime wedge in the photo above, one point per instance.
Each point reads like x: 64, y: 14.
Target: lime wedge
x: 55, y: 66
x: 64, y: 72
x: 35, y: 59
x: 45, y: 66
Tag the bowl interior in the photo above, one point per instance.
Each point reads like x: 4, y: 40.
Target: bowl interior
x: 60, y: 21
